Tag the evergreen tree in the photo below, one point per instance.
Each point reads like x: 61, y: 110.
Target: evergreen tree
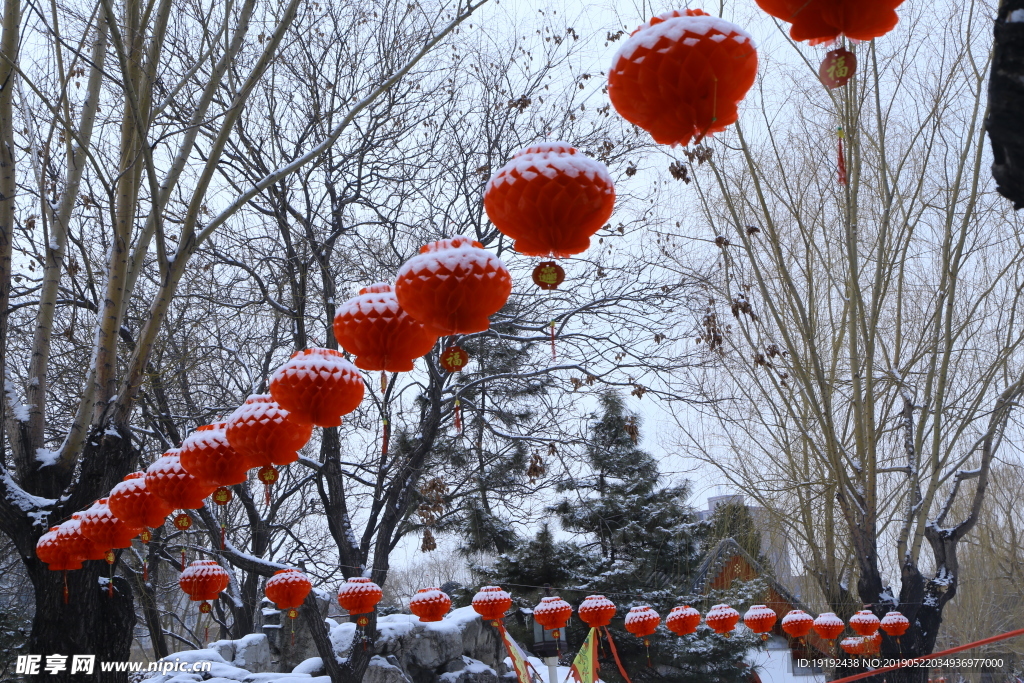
x: 733, y: 520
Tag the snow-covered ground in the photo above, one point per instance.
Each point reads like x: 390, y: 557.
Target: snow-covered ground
x: 775, y: 665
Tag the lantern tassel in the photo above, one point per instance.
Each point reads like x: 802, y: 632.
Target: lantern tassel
x: 458, y: 417
x: 552, y: 340
x: 266, y: 492
x: 110, y: 586
x: 223, y: 536
x: 384, y: 439
x: 206, y: 635
x: 66, y: 593
x: 647, y: 646
x: 383, y: 382
x: 842, y: 159
x: 145, y: 570
x: 183, y: 558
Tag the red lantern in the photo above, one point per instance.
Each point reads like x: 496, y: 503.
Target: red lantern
x: 894, y: 624
x: 288, y: 588
x: 54, y: 549
x: 168, y: 480
x: 851, y: 646
x: 454, y: 359
x: 319, y: 386
x: 837, y: 68
x: 821, y: 21
x: 683, y: 620
x: 70, y: 535
x: 552, y: 613
x: 871, y: 645
x: 828, y: 625
x: 548, y: 275
x: 596, y: 610
x: 135, y: 505
x: 266, y: 434
x: 492, y: 602
x: 760, y: 619
x: 207, y: 455
x: 722, y: 619
x: 453, y: 286
x: 430, y: 604
x: 864, y: 623
x: 204, y: 580
x: 642, y: 621
x: 682, y: 74
x: 101, y: 527
x: 382, y: 336
x: 550, y: 199
x: 359, y: 595
x: 797, y: 623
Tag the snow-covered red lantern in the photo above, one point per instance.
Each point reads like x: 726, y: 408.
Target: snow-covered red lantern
x: 135, y: 505
x: 264, y: 433
x: 682, y: 620
x: 552, y: 613
x: 722, y: 619
x: 864, y: 623
x: 682, y: 75
x: 828, y: 625
x: 821, y: 21
x: 319, y: 386
x: 596, y: 610
x: 760, y: 619
x: 167, y: 479
x: 871, y: 645
x: 797, y: 623
x: 894, y: 624
x: 550, y: 199
x: 207, y: 455
x: 642, y: 621
x: 70, y: 535
x: 288, y: 589
x: 491, y: 602
x: 375, y: 329
x: 204, y: 580
x: 453, y: 286
x: 851, y: 646
x: 359, y: 595
x: 100, y: 526
x: 56, y: 553
x: 430, y: 604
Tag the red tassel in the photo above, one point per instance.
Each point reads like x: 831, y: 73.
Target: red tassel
x: 615, y: 654
x: 66, y: 594
x: 842, y: 159
x: 458, y: 417
x: 183, y: 559
x: 386, y: 436
x: 223, y: 537
x: 206, y: 635
x: 552, y: 340
x: 145, y: 571
x: 383, y: 382
x: 266, y: 494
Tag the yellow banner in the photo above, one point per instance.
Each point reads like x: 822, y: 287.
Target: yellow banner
x: 584, y: 667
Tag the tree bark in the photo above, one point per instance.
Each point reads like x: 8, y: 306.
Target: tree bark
x: 1006, y: 103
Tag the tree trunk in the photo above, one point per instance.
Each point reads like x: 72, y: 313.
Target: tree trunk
x: 1006, y: 103
x: 90, y: 622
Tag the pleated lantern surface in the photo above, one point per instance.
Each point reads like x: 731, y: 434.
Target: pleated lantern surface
x: 550, y: 199
x: 864, y: 623
x: 319, y: 386
x: 760, y: 619
x: 57, y: 555
x: 135, y: 505
x: 265, y: 434
x: 683, y: 620
x: 797, y: 623
x: 821, y: 21
x: 175, y: 485
x: 103, y: 528
x: 552, y: 613
x: 596, y: 610
x: 894, y: 624
x: 203, y: 580
x: 642, y: 621
x: 682, y: 75
x: 453, y: 286
x: 207, y: 455
x: 430, y: 604
x: 288, y: 588
x: 722, y: 619
x: 379, y: 333
x: 491, y: 603
x: 828, y: 625
x: 359, y: 595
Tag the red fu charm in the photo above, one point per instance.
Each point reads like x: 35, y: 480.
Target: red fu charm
x: 454, y: 359
x: 837, y: 68
x: 548, y: 275
x: 183, y: 522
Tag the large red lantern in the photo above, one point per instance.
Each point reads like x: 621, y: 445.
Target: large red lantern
x: 168, y: 480
x: 207, y: 455
x: 552, y: 613
x: 722, y: 619
x: 453, y: 286
x: 871, y: 645
x: 894, y: 624
x: 642, y: 621
x: 492, y: 602
x: 379, y: 333
x: 682, y: 74
x: 266, y: 434
x: 828, y: 625
x: 596, y: 610
x: 864, y: 623
x: 852, y: 646
x: 820, y: 21
x: 430, y: 604
x: 760, y: 619
x: 288, y: 589
x: 797, y: 623
x: 550, y: 199
x: 682, y: 620
x: 100, y: 526
x: 359, y: 595
x: 319, y: 386
x: 204, y: 580
x: 62, y: 549
x: 70, y: 535
x: 135, y: 505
